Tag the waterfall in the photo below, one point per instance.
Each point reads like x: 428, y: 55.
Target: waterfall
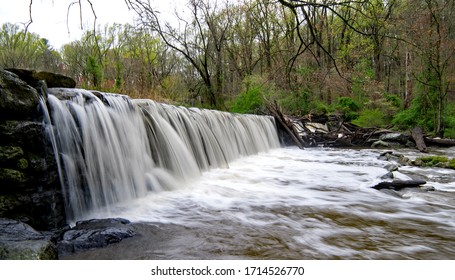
x: 111, y: 148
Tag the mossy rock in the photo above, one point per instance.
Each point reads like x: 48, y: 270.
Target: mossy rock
x: 10, y: 153
x: 29, y: 250
x: 18, y: 100
x: 435, y: 161
x: 22, y: 164
x: 12, y: 177
x: 26, y: 134
x: 452, y: 163
x: 19, y: 241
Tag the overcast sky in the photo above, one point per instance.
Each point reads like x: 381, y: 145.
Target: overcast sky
x: 50, y: 16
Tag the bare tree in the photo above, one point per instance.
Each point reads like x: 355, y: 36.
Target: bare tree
x: 199, y: 37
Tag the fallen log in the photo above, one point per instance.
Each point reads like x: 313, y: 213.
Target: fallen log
x: 288, y: 127
x: 440, y: 142
x: 417, y: 135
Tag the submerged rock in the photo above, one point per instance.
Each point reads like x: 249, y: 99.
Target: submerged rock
x: 19, y: 241
x: 94, y: 234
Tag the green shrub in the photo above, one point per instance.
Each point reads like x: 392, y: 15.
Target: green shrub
x: 393, y: 99
x: 348, y: 107
x: 449, y: 133
x: 256, y: 90
x: 370, y: 118
x: 319, y: 107
x: 249, y: 102
x: 347, y: 103
x: 296, y: 103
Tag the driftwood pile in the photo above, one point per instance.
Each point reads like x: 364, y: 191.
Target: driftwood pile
x: 333, y: 131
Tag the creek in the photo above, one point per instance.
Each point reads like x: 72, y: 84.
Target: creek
x: 293, y: 204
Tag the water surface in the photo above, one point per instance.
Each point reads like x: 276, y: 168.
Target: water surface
x: 293, y: 204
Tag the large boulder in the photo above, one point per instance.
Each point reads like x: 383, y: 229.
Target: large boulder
x: 18, y: 100
x: 52, y: 80
x: 94, y: 234
x: 19, y: 241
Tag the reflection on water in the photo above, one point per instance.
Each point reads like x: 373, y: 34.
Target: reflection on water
x: 294, y: 204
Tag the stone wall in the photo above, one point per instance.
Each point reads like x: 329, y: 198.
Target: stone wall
x: 29, y: 185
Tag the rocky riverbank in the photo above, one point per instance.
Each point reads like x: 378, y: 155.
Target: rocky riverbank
x: 30, y: 189
x: 30, y: 192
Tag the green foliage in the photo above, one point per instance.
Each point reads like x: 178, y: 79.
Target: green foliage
x: 348, y: 107
x: 415, y: 115
x: 393, y: 99
x: 452, y: 163
x: 363, y: 75
x: 248, y: 102
x: 252, y: 99
x: 20, y: 49
x: 319, y: 107
x: 296, y: 103
x: 436, y: 161
x: 433, y: 160
x: 449, y: 131
x: 94, y: 70
x: 370, y: 118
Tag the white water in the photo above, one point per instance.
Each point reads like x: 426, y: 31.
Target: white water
x: 303, y: 204
x: 112, y: 149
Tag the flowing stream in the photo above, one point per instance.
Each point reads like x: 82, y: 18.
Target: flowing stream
x: 210, y: 185
x: 296, y: 204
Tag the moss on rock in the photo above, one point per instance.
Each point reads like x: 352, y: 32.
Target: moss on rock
x: 22, y: 164
x: 12, y: 177
x: 17, y: 98
x: 435, y: 161
x: 10, y: 153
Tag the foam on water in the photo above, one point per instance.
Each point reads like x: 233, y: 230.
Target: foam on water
x: 314, y: 203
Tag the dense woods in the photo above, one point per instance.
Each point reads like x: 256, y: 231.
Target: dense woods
x: 376, y: 63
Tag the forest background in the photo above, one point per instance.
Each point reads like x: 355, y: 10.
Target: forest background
x: 377, y: 63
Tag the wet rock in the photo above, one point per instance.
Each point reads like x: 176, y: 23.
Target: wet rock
x: 18, y: 100
x: 403, y: 160
x: 391, y: 167
x: 399, y: 184
x: 428, y: 188
x: 29, y: 185
x: 10, y: 153
x: 395, y: 137
x: 52, y: 80
x: 388, y: 175
x: 28, y: 135
x: 11, y: 177
x: 380, y: 144
x: 94, y: 234
x: 19, y: 241
x: 385, y: 155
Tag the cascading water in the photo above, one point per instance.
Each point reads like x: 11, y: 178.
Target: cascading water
x: 111, y: 148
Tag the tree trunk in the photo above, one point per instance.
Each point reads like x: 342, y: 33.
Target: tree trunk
x: 417, y: 135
